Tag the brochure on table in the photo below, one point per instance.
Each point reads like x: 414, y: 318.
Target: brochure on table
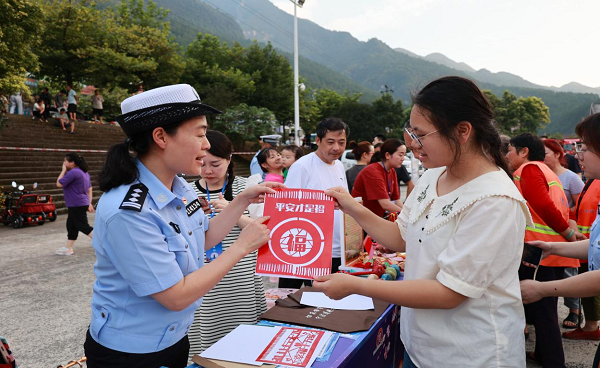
x: 257, y: 345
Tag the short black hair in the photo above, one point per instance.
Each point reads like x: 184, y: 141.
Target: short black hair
x: 537, y: 150
x: 332, y: 125
x: 298, y: 151
x: 381, y: 137
x: 263, y: 155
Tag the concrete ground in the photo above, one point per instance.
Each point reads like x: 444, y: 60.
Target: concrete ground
x: 45, y: 298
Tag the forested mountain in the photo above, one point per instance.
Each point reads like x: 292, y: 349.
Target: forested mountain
x: 500, y: 78
x: 578, y: 88
x: 369, y: 64
x: 436, y: 57
x: 190, y: 17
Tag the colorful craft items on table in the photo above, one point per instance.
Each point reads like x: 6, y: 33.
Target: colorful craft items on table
x: 378, y: 270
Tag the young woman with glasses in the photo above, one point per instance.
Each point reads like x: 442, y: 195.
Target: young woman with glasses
x: 462, y: 229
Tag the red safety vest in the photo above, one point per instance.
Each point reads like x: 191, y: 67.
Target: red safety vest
x: 541, y: 230
x: 587, y: 206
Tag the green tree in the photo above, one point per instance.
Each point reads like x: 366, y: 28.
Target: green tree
x: 211, y: 67
x: 19, y: 36
x: 518, y: 115
x: 71, y: 39
x: 389, y: 116
x: 273, y: 78
x: 119, y: 46
x: 309, y: 111
x: 243, y: 122
x: 359, y: 116
x: 139, y: 48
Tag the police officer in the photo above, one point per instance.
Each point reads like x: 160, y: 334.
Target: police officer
x: 266, y: 141
x: 151, y: 233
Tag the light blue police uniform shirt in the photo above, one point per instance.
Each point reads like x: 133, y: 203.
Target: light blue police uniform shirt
x: 255, y: 167
x: 594, y: 249
x: 140, y: 254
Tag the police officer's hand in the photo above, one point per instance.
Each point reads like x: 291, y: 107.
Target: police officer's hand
x: 256, y: 193
x: 254, y: 235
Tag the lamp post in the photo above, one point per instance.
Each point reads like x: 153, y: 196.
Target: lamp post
x: 297, y: 3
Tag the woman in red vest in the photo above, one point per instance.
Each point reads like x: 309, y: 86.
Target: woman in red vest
x: 585, y: 215
x: 588, y: 284
x: 572, y: 185
x: 550, y: 212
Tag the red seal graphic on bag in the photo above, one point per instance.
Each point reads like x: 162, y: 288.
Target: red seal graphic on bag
x: 297, y: 241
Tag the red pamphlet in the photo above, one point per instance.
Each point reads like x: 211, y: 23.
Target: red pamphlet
x: 301, y: 226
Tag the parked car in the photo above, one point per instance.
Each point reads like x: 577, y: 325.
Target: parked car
x: 348, y: 159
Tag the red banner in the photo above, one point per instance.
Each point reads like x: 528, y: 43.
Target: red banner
x: 301, y: 238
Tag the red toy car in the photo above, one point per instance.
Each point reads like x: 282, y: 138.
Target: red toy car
x: 19, y: 208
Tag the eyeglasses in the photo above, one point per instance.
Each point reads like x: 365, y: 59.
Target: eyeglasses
x: 579, y: 150
x: 418, y: 137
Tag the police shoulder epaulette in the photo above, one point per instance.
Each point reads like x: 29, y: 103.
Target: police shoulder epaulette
x: 135, y: 197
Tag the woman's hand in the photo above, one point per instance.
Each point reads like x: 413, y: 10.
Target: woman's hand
x: 219, y: 204
x: 91, y: 208
x: 253, y: 236
x: 256, y: 193
x: 531, y: 291
x: 336, y: 286
x: 64, y: 166
x: 343, y: 199
x: 545, y: 247
x: 579, y: 236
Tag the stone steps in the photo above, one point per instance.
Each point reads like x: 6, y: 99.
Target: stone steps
x: 43, y: 167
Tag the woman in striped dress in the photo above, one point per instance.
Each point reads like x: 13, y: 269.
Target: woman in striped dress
x: 239, y: 298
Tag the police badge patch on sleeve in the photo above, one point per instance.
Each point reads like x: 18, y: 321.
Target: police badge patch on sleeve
x: 134, y: 200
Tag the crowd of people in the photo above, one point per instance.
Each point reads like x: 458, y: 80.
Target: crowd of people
x: 63, y: 107
x: 185, y: 253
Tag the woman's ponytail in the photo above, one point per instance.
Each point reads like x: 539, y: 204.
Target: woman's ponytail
x: 119, y: 167
x: 230, y: 179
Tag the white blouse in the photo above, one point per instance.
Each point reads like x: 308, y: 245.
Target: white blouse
x: 471, y: 241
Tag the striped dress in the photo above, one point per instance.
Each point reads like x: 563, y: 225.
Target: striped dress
x: 239, y: 298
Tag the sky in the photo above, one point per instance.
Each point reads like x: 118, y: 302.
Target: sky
x: 548, y: 42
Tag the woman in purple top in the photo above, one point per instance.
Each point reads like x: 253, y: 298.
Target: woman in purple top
x: 77, y: 188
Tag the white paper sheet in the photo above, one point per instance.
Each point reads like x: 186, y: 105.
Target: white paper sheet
x: 242, y: 345
x: 351, y: 302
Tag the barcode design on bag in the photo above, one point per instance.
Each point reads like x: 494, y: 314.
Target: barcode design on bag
x: 300, y: 195
x: 292, y: 270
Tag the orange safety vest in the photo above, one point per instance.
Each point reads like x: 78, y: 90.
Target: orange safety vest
x: 587, y: 206
x: 541, y: 230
